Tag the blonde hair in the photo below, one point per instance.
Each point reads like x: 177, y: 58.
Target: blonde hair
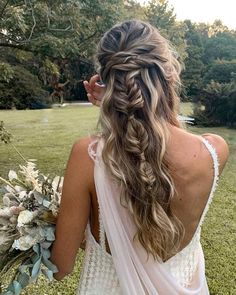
x: 141, y: 75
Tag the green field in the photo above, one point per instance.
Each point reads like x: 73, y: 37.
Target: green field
x: 47, y: 135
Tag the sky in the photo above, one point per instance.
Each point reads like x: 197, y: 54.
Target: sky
x: 205, y: 10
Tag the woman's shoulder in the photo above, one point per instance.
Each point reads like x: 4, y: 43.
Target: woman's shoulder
x: 82, y: 159
x: 221, y: 147
x: 85, y: 149
x: 217, y: 140
x: 82, y: 144
x: 80, y: 152
x: 186, y: 152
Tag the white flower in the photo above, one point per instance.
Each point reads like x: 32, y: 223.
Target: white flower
x: 22, y: 195
x: 26, y: 217
x: 30, y: 174
x: 29, y: 170
x: 6, y: 212
x: 24, y: 243
x: 19, y: 188
x: 10, y: 189
x: 30, y: 237
x: 36, y: 231
x: 12, y: 175
x: 10, y: 200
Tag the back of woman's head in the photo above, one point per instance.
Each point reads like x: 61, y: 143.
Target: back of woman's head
x: 141, y: 76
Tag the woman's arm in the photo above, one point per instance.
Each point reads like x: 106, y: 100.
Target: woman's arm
x: 74, y: 209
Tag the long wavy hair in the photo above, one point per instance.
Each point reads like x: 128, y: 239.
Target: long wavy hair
x: 141, y: 74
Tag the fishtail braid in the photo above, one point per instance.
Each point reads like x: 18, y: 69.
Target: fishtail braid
x: 141, y: 75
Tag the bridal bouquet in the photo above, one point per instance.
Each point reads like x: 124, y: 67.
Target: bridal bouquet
x: 28, y: 210
x: 29, y: 204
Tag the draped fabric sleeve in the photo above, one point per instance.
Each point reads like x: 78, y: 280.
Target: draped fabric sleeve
x: 137, y: 273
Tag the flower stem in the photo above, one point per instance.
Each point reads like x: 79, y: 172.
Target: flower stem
x: 19, y: 153
x: 7, y: 182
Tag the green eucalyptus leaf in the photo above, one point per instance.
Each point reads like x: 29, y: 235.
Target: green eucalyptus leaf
x: 48, y: 274
x: 23, y: 279
x: 36, y: 268
x: 49, y: 233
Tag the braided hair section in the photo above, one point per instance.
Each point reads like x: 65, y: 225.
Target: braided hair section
x: 141, y: 78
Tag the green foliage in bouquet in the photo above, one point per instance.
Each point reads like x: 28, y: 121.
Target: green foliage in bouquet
x: 5, y: 136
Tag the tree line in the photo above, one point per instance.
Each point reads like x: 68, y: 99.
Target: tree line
x: 47, y: 49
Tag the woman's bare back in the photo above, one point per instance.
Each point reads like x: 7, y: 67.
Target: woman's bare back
x: 191, y: 167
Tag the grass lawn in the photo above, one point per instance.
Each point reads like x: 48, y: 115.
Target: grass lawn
x: 47, y: 135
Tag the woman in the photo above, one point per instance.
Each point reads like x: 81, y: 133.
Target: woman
x: 142, y: 187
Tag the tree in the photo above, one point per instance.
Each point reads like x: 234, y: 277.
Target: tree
x: 161, y: 15
x: 133, y: 10
x: 192, y: 74
x: 221, y: 71
x: 217, y: 27
x: 53, y: 34
x: 56, y: 28
x: 220, y: 46
x: 217, y: 104
x: 23, y: 90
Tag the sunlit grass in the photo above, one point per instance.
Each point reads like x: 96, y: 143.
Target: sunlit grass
x: 47, y: 135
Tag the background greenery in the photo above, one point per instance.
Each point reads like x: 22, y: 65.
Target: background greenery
x: 47, y: 48
x: 47, y: 135
x: 46, y: 51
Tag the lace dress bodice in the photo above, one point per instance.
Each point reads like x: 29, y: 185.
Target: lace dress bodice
x: 98, y: 275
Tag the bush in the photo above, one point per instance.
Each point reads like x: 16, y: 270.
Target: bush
x: 6, y: 72
x: 221, y: 71
x: 22, y: 91
x: 217, y: 105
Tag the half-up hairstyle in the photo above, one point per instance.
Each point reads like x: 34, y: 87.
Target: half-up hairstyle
x: 141, y: 75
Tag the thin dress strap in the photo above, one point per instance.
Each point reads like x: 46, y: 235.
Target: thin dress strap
x: 214, y: 156
x: 92, y: 151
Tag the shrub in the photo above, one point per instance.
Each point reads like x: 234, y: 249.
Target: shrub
x: 22, y: 91
x: 217, y: 105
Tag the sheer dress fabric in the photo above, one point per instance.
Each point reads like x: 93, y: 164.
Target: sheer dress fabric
x: 128, y: 271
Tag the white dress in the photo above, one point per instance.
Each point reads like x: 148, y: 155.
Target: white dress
x: 99, y: 275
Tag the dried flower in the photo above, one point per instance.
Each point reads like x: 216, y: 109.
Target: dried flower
x: 12, y: 175
x: 24, y: 243
x: 25, y: 217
